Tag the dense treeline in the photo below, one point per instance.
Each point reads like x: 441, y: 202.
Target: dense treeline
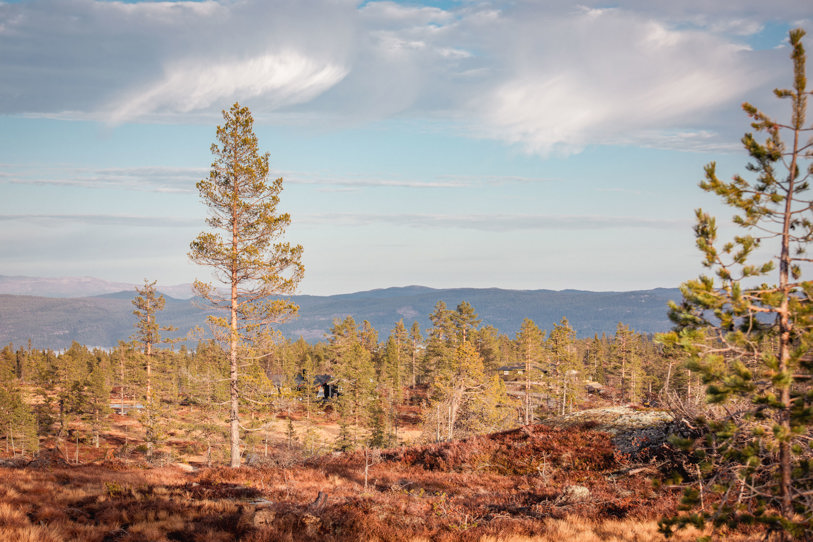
x: 463, y: 378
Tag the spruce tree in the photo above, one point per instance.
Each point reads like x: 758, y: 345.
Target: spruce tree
x: 245, y: 250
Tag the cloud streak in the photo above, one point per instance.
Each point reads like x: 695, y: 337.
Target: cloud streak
x: 142, y: 179
x: 493, y: 222
x: 286, y: 78
x: 102, y: 220
x: 349, y: 183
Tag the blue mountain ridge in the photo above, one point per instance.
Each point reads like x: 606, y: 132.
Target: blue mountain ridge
x: 106, y: 319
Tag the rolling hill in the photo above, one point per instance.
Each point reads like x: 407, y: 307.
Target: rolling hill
x: 103, y: 320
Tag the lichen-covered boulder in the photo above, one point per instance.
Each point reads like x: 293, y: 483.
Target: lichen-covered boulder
x: 643, y: 434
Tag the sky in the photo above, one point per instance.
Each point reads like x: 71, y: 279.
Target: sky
x: 511, y: 144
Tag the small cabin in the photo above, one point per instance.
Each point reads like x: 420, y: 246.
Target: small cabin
x: 517, y: 371
x: 324, y: 385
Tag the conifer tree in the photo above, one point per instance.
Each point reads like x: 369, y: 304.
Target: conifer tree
x: 488, y: 342
x: 441, y: 342
x: 752, y: 339
x: 307, y: 372
x: 369, y: 339
x: 415, y: 347
x: 464, y: 398
x: 391, y: 379
x: 344, y: 335
x: 245, y: 249
x: 530, y: 344
x: 148, y: 334
x: 567, y: 367
x: 353, y: 370
x: 596, y: 358
x: 17, y: 420
x: 625, y: 360
x: 8, y: 362
x: 396, y: 353
x: 97, y: 399
x: 465, y: 321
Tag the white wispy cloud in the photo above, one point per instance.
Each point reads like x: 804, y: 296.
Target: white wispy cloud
x: 101, y: 220
x: 549, y: 77
x: 493, y: 222
x: 143, y: 179
x: 468, y: 180
x: 352, y: 183
x: 286, y: 78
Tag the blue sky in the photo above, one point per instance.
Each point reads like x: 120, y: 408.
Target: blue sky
x: 515, y: 144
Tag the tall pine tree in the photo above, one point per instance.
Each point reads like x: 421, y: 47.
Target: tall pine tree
x: 245, y: 249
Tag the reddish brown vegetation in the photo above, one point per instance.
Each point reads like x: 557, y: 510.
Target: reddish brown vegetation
x: 521, y: 483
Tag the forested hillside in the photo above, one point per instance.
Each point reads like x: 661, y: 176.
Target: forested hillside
x: 106, y: 319
x: 457, y: 377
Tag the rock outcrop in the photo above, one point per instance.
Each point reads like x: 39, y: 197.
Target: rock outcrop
x: 643, y: 434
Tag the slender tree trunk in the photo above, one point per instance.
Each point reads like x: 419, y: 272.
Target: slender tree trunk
x: 623, y: 376
x: 150, y: 413
x: 689, y: 388
x: 785, y: 329
x: 121, y: 391
x: 234, y: 392
x: 437, y: 424
x: 366, y: 466
x: 414, y: 354
x: 633, y: 395
x: 527, y: 384
x: 395, y: 421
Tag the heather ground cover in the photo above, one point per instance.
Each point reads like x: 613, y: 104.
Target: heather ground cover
x: 533, y: 483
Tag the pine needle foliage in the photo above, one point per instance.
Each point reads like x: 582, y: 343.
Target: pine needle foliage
x: 750, y: 339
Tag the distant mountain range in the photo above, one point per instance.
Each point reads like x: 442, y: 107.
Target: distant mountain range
x: 77, y: 287
x: 55, y: 320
